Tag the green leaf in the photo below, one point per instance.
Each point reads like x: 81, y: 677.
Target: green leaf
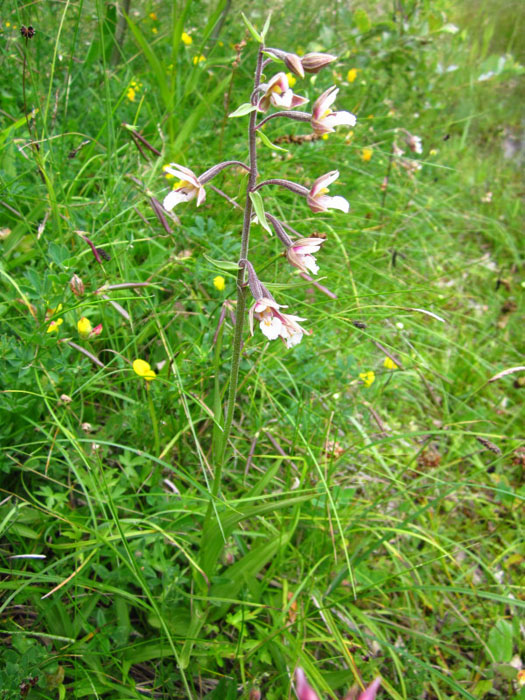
x: 500, y: 641
x: 252, y: 29
x: 362, y: 21
x: 258, y: 206
x: 223, y: 264
x: 266, y: 25
x: 269, y: 144
x: 244, y: 109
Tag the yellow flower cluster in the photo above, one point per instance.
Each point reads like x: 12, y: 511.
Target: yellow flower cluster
x: 366, y: 154
x: 143, y: 369
x: 368, y: 378
x: 133, y: 88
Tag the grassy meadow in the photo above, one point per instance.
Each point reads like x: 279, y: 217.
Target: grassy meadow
x: 363, y: 516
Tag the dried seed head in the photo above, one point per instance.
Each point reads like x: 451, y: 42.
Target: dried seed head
x: 27, y: 32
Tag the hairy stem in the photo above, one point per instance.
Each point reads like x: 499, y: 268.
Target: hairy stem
x: 241, y: 289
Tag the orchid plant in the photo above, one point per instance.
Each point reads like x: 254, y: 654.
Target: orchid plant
x: 300, y: 250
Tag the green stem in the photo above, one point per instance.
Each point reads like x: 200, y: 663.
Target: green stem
x: 241, y: 291
x: 154, y: 421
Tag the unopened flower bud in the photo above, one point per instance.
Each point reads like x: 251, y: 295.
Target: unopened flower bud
x: 294, y: 64
x: 291, y: 60
x: 65, y: 399
x: 77, y: 286
x: 313, y: 62
x: 255, y: 694
x: 87, y: 427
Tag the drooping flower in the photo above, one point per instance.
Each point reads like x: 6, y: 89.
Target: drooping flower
x: 186, y: 39
x: 389, y: 363
x: 278, y: 93
x: 366, y: 154
x: 368, y: 378
x: 274, y: 323
x: 317, y: 198
x: 305, y: 692
x: 351, y: 75
x: 186, y: 189
x: 143, y: 369
x: 219, y: 283
x: 300, y: 254
x: 323, y: 119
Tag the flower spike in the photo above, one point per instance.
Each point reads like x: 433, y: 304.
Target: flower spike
x: 317, y: 199
x: 324, y: 119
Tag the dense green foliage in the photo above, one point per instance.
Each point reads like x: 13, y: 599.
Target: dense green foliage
x: 369, y: 523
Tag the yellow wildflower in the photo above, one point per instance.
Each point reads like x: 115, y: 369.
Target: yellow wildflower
x: 153, y: 16
x: 186, y: 39
x: 351, y: 75
x: 167, y: 174
x: 84, y: 327
x: 368, y: 378
x: 154, y: 30
x: 198, y: 59
x: 131, y: 94
x: 53, y: 326
x: 291, y: 79
x: 219, y: 283
x: 324, y: 137
x: 389, y: 363
x: 366, y: 154
x: 143, y: 369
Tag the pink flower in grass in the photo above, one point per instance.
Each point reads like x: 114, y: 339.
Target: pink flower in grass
x: 276, y: 324
x: 324, y: 119
x: 300, y: 254
x: 279, y: 94
x: 188, y: 187
x: 305, y: 692
x: 317, y: 198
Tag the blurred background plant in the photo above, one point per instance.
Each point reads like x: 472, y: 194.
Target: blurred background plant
x: 373, y: 522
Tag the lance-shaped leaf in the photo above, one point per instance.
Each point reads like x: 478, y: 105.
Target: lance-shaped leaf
x: 258, y: 207
x: 242, y: 110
